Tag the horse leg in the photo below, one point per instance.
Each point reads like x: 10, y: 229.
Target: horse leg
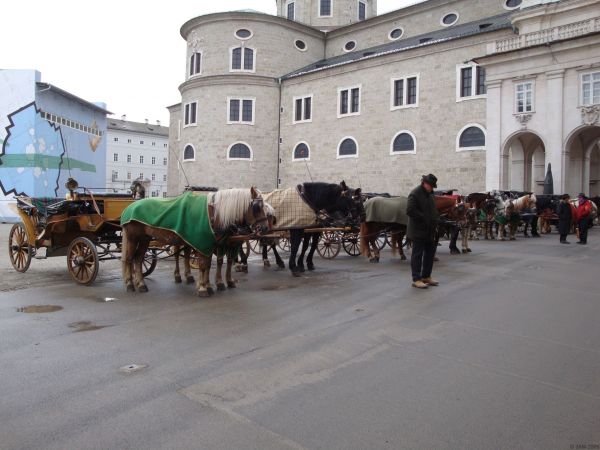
x: 400, y: 238
x: 315, y: 242
x: 375, y: 250
x: 127, y: 251
x: 187, y: 253
x: 203, y: 272
x: 278, y: 259
x: 453, y: 238
x: 219, y: 277
x: 305, y: 244
x: 513, y: 231
x: 228, y: 277
x: 265, y: 255
x: 137, y: 265
x: 177, y: 273
x: 295, y: 241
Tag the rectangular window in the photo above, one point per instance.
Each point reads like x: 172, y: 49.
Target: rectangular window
x: 165, y: 177
x: 355, y: 100
x: 241, y: 110
x: 141, y: 142
x: 195, y: 63
x: 343, y: 102
x: 115, y: 157
x: 115, y: 175
x: 153, y: 144
x: 164, y: 161
x: 248, y: 59
x: 590, y: 89
x: 128, y: 158
x: 153, y: 177
x: 362, y: 11
x: 164, y: 195
x: 190, y: 114
x: 399, y: 92
x: 405, y: 92
x: 165, y: 145
x: 291, y: 13
x: 153, y: 160
x: 129, y: 141
x: 470, y: 81
x: 303, y: 109
x: 325, y: 8
x: 236, y: 59
x: 141, y: 159
x: 141, y: 175
x: 242, y: 59
x: 349, y: 101
x: 115, y: 139
x: 129, y: 175
x: 524, y: 97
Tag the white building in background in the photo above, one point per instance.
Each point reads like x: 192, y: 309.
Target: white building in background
x: 137, y: 151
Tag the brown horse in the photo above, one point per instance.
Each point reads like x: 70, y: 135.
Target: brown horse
x: 226, y: 210
x: 370, y: 231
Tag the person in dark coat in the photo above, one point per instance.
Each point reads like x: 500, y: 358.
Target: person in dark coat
x: 422, y: 226
x: 565, y: 218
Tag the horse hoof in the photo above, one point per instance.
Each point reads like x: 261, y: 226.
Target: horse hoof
x: 178, y: 279
x: 301, y: 269
x: 210, y: 291
x: 130, y: 288
x: 464, y: 252
x: 190, y: 280
x: 311, y: 267
x: 469, y: 250
x: 281, y: 266
x: 221, y: 287
x: 231, y: 284
x: 203, y: 294
x: 143, y: 288
x: 403, y: 258
x: 266, y: 263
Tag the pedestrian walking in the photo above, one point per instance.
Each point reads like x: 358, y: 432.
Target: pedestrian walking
x: 422, y: 226
x: 565, y: 218
x: 584, y: 211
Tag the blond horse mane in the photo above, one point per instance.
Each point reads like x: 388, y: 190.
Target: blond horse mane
x: 522, y: 202
x: 231, y: 206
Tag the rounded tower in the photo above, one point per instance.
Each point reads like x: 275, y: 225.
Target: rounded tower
x: 327, y: 14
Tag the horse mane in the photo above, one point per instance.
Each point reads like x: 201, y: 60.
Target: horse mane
x: 522, y: 202
x: 322, y: 195
x: 231, y: 206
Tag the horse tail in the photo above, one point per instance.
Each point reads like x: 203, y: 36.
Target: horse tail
x: 364, y: 239
x: 394, y: 242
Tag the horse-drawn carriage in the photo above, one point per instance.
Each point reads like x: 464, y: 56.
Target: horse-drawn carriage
x: 84, y: 227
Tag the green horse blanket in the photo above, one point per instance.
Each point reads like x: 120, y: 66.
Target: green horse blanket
x: 186, y: 215
x: 387, y: 210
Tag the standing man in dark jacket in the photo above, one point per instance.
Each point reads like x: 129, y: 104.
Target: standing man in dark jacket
x: 422, y: 226
x: 584, y: 212
x: 565, y: 218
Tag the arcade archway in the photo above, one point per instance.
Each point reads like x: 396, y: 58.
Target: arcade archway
x: 524, y: 163
x: 583, y: 172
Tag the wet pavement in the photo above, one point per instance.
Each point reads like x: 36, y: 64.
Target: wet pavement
x: 504, y: 354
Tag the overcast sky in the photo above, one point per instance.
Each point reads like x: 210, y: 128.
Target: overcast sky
x: 126, y: 53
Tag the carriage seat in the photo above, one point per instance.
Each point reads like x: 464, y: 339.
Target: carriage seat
x: 48, y: 206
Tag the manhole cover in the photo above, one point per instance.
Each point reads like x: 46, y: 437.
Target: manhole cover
x: 131, y: 368
x: 86, y: 325
x: 39, y: 309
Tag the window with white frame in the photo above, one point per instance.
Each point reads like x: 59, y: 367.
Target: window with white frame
x: 115, y: 175
x: 405, y: 92
x: 524, y: 97
x: 239, y: 151
x: 165, y: 177
x: 165, y: 161
x: 153, y: 177
x: 116, y: 139
x: 153, y: 160
x: 164, y: 194
x: 348, y: 148
x: 349, y: 101
x: 471, y: 137
x: 115, y: 157
x: 301, y: 152
x: 325, y: 8
x: 404, y: 143
x: 242, y: 59
x: 240, y: 110
x: 128, y: 158
x: 470, y: 81
x: 303, y: 109
x: 129, y: 175
x: 291, y: 10
x: 141, y: 142
x: 141, y: 176
x: 195, y: 64
x: 129, y: 141
x: 153, y: 144
x: 190, y: 112
x: 590, y: 88
x: 362, y: 10
x: 141, y: 159
x: 189, y: 153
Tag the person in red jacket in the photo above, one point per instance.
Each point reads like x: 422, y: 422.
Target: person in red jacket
x: 584, y: 211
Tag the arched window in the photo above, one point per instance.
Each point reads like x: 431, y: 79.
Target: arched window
x: 404, y: 142
x: 471, y: 137
x: 240, y: 151
x: 348, y: 148
x: 242, y: 59
x: 195, y: 64
x: 301, y: 152
x: 189, y: 154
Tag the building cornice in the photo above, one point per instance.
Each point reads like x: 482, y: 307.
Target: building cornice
x: 248, y: 16
x: 228, y: 80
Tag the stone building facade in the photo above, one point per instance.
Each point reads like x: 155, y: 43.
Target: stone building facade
x: 328, y: 90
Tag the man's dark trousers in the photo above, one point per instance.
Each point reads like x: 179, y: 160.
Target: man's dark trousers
x: 583, y: 230
x: 421, y: 260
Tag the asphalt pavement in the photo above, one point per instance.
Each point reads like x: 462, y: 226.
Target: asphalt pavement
x: 505, y: 354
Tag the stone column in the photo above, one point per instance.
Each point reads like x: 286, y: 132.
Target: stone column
x: 494, y: 161
x: 555, y: 151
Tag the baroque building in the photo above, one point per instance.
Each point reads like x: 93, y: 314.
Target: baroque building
x: 329, y: 90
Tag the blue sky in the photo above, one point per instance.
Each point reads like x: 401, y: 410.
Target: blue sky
x: 113, y: 51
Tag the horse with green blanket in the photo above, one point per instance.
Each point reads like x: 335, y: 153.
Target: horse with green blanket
x: 189, y: 221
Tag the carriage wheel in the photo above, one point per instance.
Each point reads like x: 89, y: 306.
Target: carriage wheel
x: 19, y: 248
x: 351, y: 244
x: 255, y: 246
x: 329, y: 245
x: 149, y: 262
x: 382, y: 240
x: 284, y: 244
x: 82, y: 261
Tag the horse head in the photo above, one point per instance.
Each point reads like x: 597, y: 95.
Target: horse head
x: 256, y: 215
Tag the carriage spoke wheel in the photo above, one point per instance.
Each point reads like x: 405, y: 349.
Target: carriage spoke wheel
x: 19, y: 248
x: 284, y: 244
x: 329, y: 245
x: 255, y: 246
x: 149, y: 262
x: 82, y: 261
x: 382, y: 240
x: 351, y: 244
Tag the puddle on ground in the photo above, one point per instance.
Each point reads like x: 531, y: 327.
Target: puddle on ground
x: 131, y: 368
x: 37, y: 309
x: 86, y: 325
x: 278, y: 288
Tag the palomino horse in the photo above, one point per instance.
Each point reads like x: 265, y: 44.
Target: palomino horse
x: 453, y: 215
x: 511, y: 214
x: 226, y: 210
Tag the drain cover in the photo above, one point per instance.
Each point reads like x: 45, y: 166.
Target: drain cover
x: 131, y: 368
